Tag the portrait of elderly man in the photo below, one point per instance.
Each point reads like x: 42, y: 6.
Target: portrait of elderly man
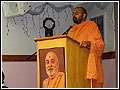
x: 55, y: 78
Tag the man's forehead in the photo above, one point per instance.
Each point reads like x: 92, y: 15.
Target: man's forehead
x: 51, y: 55
x: 78, y: 9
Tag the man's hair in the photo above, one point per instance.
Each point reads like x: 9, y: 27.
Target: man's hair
x: 84, y: 10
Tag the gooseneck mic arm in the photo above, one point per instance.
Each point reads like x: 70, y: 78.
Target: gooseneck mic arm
x: 66, y: 32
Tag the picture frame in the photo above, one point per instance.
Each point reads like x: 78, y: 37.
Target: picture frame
x: 59, y: 51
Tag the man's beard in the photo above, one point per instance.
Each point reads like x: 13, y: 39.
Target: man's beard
x: 77, y: 21
x: 51, y: 71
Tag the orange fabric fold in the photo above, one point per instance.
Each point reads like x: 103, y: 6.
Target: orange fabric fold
x: 89, y: 31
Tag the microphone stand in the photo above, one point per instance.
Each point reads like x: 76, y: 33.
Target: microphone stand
x: 66, y: 32
x: 31, y: 55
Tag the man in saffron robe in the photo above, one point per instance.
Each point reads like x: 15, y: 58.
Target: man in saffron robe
x: 56, y: 79
x: 89, y: 36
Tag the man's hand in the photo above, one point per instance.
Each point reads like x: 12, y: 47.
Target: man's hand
x: 85, y: 44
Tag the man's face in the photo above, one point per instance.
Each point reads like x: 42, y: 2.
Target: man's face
x: 52, y: 64
x: 77, y: 15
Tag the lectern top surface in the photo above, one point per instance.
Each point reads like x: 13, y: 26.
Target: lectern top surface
x: 55, y: 37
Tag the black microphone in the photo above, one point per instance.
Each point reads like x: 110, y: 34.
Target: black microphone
x: 66, y: 32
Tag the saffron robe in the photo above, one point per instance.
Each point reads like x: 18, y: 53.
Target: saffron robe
x: 89, y: 31
x: 57, y: 82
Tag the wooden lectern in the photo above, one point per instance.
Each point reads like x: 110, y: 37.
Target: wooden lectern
x: 73, y: 60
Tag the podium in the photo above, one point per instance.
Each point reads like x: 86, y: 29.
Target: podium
x: 72, y: 58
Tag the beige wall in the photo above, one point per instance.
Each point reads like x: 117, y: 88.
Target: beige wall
x: 20, y: 74
x: 109, y: 73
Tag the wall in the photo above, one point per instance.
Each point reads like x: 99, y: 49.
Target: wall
x: 21, y: 30
x: 109, y: 73
x: 20, y: 74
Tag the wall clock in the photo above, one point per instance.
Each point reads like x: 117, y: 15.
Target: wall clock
x: 48, y: 24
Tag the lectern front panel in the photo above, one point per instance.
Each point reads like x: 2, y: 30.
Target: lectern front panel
x: 52, y: 60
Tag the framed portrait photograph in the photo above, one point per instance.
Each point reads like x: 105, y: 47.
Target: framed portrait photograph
x: 52, y: 67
